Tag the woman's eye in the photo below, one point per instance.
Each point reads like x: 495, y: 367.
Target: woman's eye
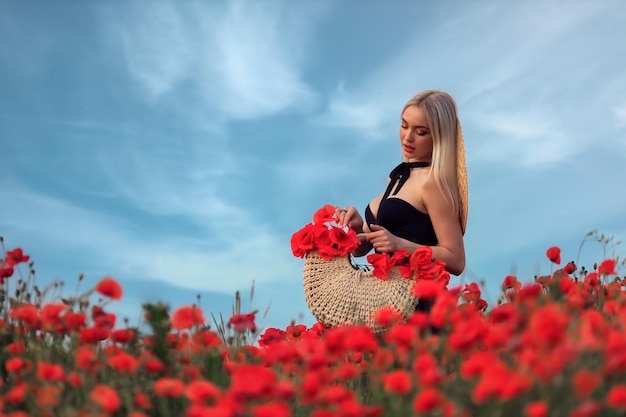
x: 422, y: 133
x: 403, y: 126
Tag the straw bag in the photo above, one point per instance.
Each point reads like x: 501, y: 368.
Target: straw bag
x: 338, y: 293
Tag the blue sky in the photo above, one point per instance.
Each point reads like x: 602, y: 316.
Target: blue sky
x: 177, y: 145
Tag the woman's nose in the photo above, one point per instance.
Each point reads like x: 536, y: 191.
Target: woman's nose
x: 407, y: 136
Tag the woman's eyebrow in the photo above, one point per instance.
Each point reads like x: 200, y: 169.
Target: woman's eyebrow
x: 420, y: 126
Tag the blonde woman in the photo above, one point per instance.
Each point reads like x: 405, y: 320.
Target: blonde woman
x: 425, y: 202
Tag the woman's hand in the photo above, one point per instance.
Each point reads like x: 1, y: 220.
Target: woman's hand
x: 382, y: 240
x: 350, y: 217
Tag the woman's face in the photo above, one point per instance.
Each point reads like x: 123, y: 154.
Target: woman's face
x: 415, y: 138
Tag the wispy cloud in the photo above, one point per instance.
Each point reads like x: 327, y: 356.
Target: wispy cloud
x: 506, y: 78
x: 207, y: 262
x: 234, y: 55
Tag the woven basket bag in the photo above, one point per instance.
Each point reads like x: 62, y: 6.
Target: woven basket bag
x: 338, y: 293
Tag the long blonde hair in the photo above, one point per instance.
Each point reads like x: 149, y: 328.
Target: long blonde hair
x: 443, y: 123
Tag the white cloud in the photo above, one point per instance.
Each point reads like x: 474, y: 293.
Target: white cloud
x: 235, y: 57
x: 239, y: 252
x: 519, y: 82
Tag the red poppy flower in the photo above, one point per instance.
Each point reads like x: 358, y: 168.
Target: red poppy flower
x: 243, y: 322
x: 201, y: 391
x: 427, y: 401
x: 186, y: 317
x: 536, y: 409
x: 16, y: 365
x: 109, y: 287
x: 106, y: 397
x: 141, y: 400
x: 274, y: 409
x: 511, y: 283
x: 324, y: 214
x: 154, y: 365
x: 421, y: 257
x: 303, y: 240
x: 15, y: 256
x: 387, y: 316
x: 570, y: 268
x: 50, y: 372
x: 616, y: 398
x: 427, y: 289
x: 397, y: 382
x: 554, y: 254
x: 585, y: 382
x: 168, y: 387
x: 382, y: 264
x: 27, y: 313
x: 86, y: 358
x: 607, y: 267
x: 5, y: 272
x: 123, y: 362
x: 345, y: 242
x: 251, y: 381
x: 122, y: 335
x: 16, y: 394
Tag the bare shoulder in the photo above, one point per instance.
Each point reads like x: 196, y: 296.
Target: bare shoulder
x: 433, y: 196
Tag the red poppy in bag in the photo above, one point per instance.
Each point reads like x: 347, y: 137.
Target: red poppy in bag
x: 325, y: 214
x: 303, y: 240
x: 382, y: 264
x: 422, y: 256
x: 345, y: 241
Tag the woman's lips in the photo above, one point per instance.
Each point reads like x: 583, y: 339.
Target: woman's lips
x: 407, y: 148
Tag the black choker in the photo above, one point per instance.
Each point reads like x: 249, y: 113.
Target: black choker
x: 401, y: 173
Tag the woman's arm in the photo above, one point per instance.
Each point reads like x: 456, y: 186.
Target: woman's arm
x: 450, y: 247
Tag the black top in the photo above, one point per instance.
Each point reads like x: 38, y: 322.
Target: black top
x: 400, y: 217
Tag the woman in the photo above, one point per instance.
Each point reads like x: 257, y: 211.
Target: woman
x: 426, y: 200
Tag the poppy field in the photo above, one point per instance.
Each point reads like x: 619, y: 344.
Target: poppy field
x: 553, y: 346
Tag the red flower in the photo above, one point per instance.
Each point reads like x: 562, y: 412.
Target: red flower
x: 382, y: 264
x: 106, y: 397
x: 86, y: 358
x: 186, y: 317
x: 15, y: 256
x: 616, y: 397
x: 345, y: 242
x: 537, y: 409
x: 398, y: 382
x: 421, y: 257
x: 511, y: 283
x: 554, y: 254
x: 16, y: 365
x: 50, y: 372
x: 123, y: 362
x: 387, y: 316
x: 427, y: 400
x: 570, y: 268
x: 93, y: 334
x: 251, y: 381
x: 276, y: 409
x: 585, y: 383
x: 50, y: 314
x: 427, y: 289
x: 169, y: 387
x: 324, y: 214
x: 27, y: 313
x: 201, y: 391
x: 303, y: 240
x: 471, y: 292
x: 122, y: 335
x: 591, y: 280
x: 154, y: 365
x: 243, y: 322
x: 5, y: 272
x: 109, y: 287
x: 607, y: 267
